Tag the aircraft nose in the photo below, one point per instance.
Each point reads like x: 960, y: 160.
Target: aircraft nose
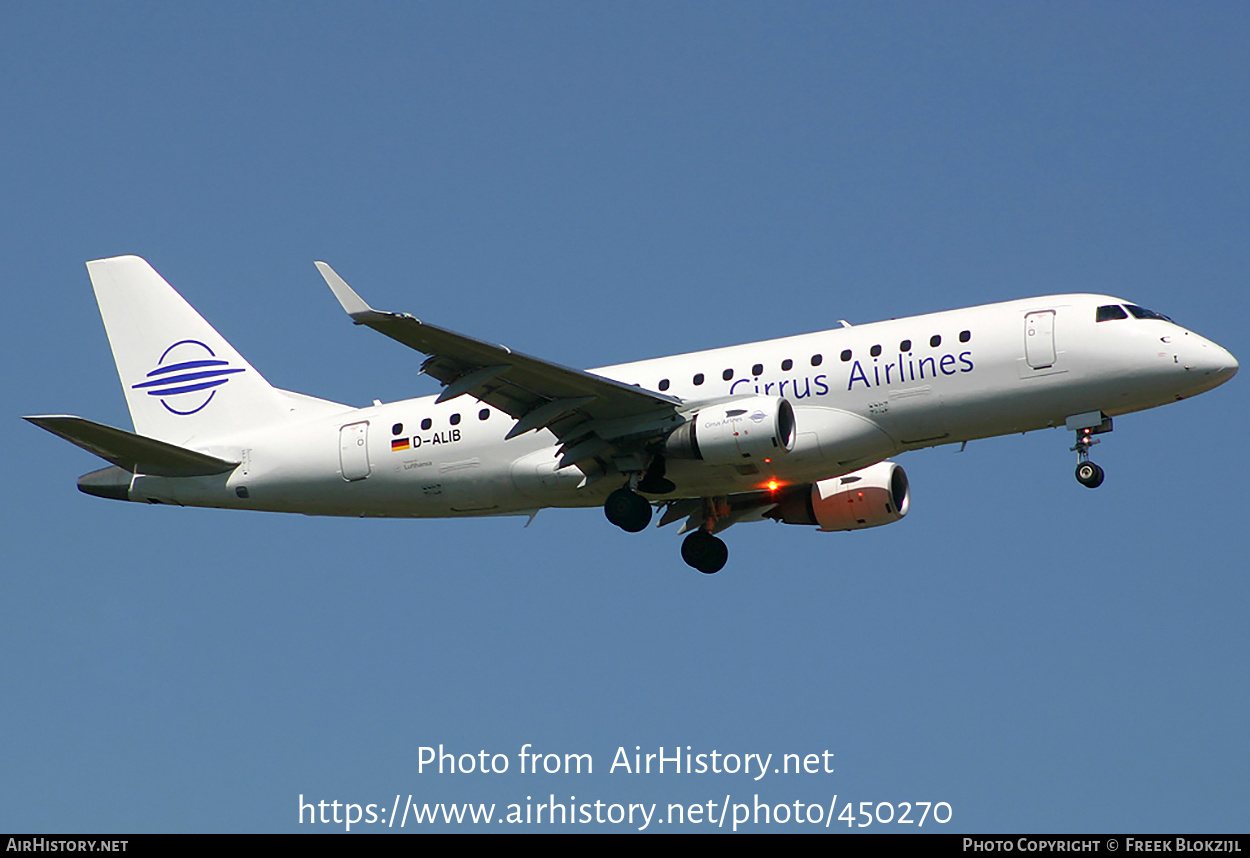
x: 1209, y: 360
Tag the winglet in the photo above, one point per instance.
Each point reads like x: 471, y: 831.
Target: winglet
x: 352, y: 303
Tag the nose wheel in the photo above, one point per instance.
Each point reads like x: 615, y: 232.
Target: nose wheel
x: 1087, y: 473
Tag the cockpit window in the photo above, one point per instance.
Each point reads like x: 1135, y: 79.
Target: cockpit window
x: 1143, y: 313
x: 1111, y: 311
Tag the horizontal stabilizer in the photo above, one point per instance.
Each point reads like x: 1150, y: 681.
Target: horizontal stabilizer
x: 131, y: 452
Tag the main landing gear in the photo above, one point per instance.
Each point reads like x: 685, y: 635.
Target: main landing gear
x: 704, y: 552
x: 631, y: 512
x: 628, y: 510
x: 701, y: 549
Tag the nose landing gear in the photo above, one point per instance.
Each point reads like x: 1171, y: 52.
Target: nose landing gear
x: 1087, y: 473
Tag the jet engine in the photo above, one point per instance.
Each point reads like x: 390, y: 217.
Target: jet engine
x: 876, y: 495
x: 734, y: 432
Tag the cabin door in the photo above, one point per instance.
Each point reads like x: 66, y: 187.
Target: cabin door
x: 1039, y: 339
x: 354, y: 451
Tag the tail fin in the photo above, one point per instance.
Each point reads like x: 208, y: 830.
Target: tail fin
x: 182, y: 380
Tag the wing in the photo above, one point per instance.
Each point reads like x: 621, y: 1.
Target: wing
x: 593, y: 416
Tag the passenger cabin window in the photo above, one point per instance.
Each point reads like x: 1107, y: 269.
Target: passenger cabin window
x: 935, y: 340
x: 758, y: 369
x: 904, y: 346
x: 875, y: 351
x: 698, y: 379
x: 1111, y: 312
x: 397, y: 429
x: 964, y: 336
x: 727, y: 374
x: 817, y: 360
x: 483, y: 414
x: 1143, y: 313
x: 787, y: 365
x: 846, y: 355
x: 664, y: 384
x: 455, y: 420
x: 426, y: 424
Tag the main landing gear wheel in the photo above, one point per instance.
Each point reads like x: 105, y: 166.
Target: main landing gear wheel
x: 704, y: 552
x: 1089, y: 475
x: 629, y: 511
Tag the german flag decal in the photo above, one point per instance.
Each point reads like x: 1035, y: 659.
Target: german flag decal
x: 400, y: 444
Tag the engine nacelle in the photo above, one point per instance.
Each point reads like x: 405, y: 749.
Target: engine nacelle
x: 735, y: 432
x: 876, y: 495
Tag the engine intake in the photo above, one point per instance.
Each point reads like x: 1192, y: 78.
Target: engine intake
x: 871, y: 497
x: 735, y: 432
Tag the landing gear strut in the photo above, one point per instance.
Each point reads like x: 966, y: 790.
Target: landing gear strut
x: 628, y: 510
x: 704, y: 552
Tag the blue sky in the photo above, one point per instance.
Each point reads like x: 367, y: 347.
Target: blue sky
x: 595, y: 184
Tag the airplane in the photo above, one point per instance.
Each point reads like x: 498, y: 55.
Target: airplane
x: 800, y: 430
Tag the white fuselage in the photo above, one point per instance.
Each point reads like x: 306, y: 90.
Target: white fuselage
x: 860, y: 394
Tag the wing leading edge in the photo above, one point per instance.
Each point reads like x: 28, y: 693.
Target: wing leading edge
x: 593, y: 416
